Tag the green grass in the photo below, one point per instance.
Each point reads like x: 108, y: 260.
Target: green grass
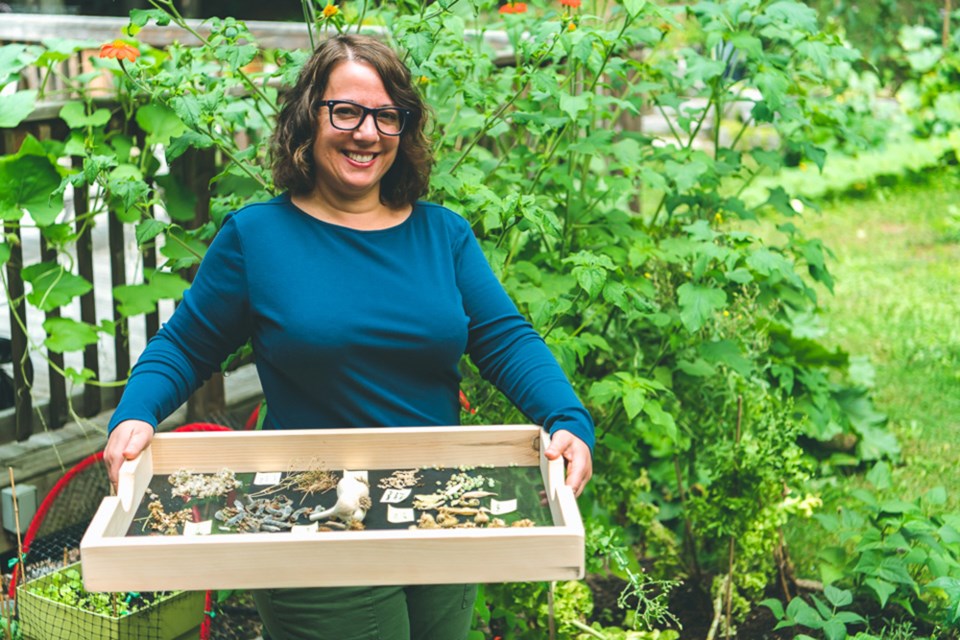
x: 897, y: 301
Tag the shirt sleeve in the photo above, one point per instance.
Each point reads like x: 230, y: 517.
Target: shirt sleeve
x: 209, y: 324
x: 511, y: 354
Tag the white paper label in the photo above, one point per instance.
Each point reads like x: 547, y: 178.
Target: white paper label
x: 360, y: 475
x: 267, y: 478
x: 500, y: 507
x: 198, y: 528
x: 305, y: 528
x: 396, y: 514
x: 395, y: 495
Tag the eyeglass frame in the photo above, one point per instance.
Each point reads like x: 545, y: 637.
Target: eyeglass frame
x: 330, y: 104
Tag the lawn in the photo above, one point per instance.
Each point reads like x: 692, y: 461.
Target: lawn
x: 897, y: 302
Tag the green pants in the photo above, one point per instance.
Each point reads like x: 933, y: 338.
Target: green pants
x: 419, y: 612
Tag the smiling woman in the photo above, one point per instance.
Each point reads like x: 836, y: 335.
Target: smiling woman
x: 360, y: 301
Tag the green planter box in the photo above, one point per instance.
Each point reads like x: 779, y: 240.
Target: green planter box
x: 171, y: 617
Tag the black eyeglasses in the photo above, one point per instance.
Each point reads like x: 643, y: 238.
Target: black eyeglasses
x: 348, y: 116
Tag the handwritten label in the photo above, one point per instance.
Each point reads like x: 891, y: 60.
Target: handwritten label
x: 395, y: 495
x: 360, y: 475
x: 198, y: 528
x: 265, y: 478
x: 305, y: 528
x: 396, y: 514
x: 500, y: 507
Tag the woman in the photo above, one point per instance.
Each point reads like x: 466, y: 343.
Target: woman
x: 360, y: 301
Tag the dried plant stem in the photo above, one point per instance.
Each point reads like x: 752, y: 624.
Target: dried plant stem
x: 688, y: 538
x: 717, y: 610
x: 733, y: 541
x: 728, y: 596
x: 16, y: 521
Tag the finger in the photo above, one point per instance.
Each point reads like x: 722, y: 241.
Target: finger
x: 559, y: 442
x: 577, y: 477
x: 136, y: 444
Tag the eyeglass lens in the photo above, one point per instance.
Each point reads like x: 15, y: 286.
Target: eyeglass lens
x: 347, y: 116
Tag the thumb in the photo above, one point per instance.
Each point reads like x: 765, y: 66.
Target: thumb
x: 557, y: 445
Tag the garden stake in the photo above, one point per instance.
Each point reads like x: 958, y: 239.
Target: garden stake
x: 688, y: 539
x: 16, y: 520
x: 733, y: 540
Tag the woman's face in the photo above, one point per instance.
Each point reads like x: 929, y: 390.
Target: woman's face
x: 350, y: 164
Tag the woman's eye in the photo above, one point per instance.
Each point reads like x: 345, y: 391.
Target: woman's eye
x: 346, y: 112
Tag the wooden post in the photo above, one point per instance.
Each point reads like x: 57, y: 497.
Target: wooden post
x: 88, y: 310
x: 57, y: 408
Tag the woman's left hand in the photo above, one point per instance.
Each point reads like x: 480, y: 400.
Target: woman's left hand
x: 577, y: 454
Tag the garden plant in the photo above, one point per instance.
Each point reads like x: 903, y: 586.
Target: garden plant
x: 665, y: 267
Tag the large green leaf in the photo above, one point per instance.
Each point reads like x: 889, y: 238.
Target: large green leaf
x: 135, y: 299
x: 15, y: 108
x: 161, y: 122
x: 698, y: 304
x: 76, y: 116
x: 66, y: 334
x: 30, y: 180
x: 53, y: 286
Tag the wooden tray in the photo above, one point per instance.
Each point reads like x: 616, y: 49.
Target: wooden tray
x: 113, y: 561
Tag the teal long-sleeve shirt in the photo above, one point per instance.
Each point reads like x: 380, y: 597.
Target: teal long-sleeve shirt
x: 351, y: 328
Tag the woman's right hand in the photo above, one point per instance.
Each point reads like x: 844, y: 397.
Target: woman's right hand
x: 126, y: 441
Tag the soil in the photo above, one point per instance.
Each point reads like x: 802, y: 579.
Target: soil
x: 690, y: 604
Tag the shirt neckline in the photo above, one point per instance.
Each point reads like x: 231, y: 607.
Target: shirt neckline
x: 288, y: 199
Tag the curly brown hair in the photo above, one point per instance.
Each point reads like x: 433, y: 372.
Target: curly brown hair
x: 292, y: 143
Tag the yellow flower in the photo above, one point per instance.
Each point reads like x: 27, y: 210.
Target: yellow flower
x: 571, y: 27
x: 330, y: 10
x: 718, y: 218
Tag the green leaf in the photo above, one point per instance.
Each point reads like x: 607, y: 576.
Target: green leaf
x: 698, y: 304
x: 801, y: 612
x: 837, y: 597
x: 419, y: 44
x: 833, y: 629
x: 727, y: 352
x: 4, y: 253
x: 66, y: 334
x: 149, y: 229
x: 53, y: 286
x: 161, y: 122
x: 76, y: 116
x: 136, y: 299
x: 879, y: 476
x: 15, y: 108
x: 775, y: 606
x: 30, y: 180
x: 574, y: 105
x: 882, y: 588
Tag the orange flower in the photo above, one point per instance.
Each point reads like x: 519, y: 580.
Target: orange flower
x: 330, y: 10
x: 120, y: 50
x: 571, y: 27
x: 466, y: 404
x: 514, y: 7
x: 573, y: 4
